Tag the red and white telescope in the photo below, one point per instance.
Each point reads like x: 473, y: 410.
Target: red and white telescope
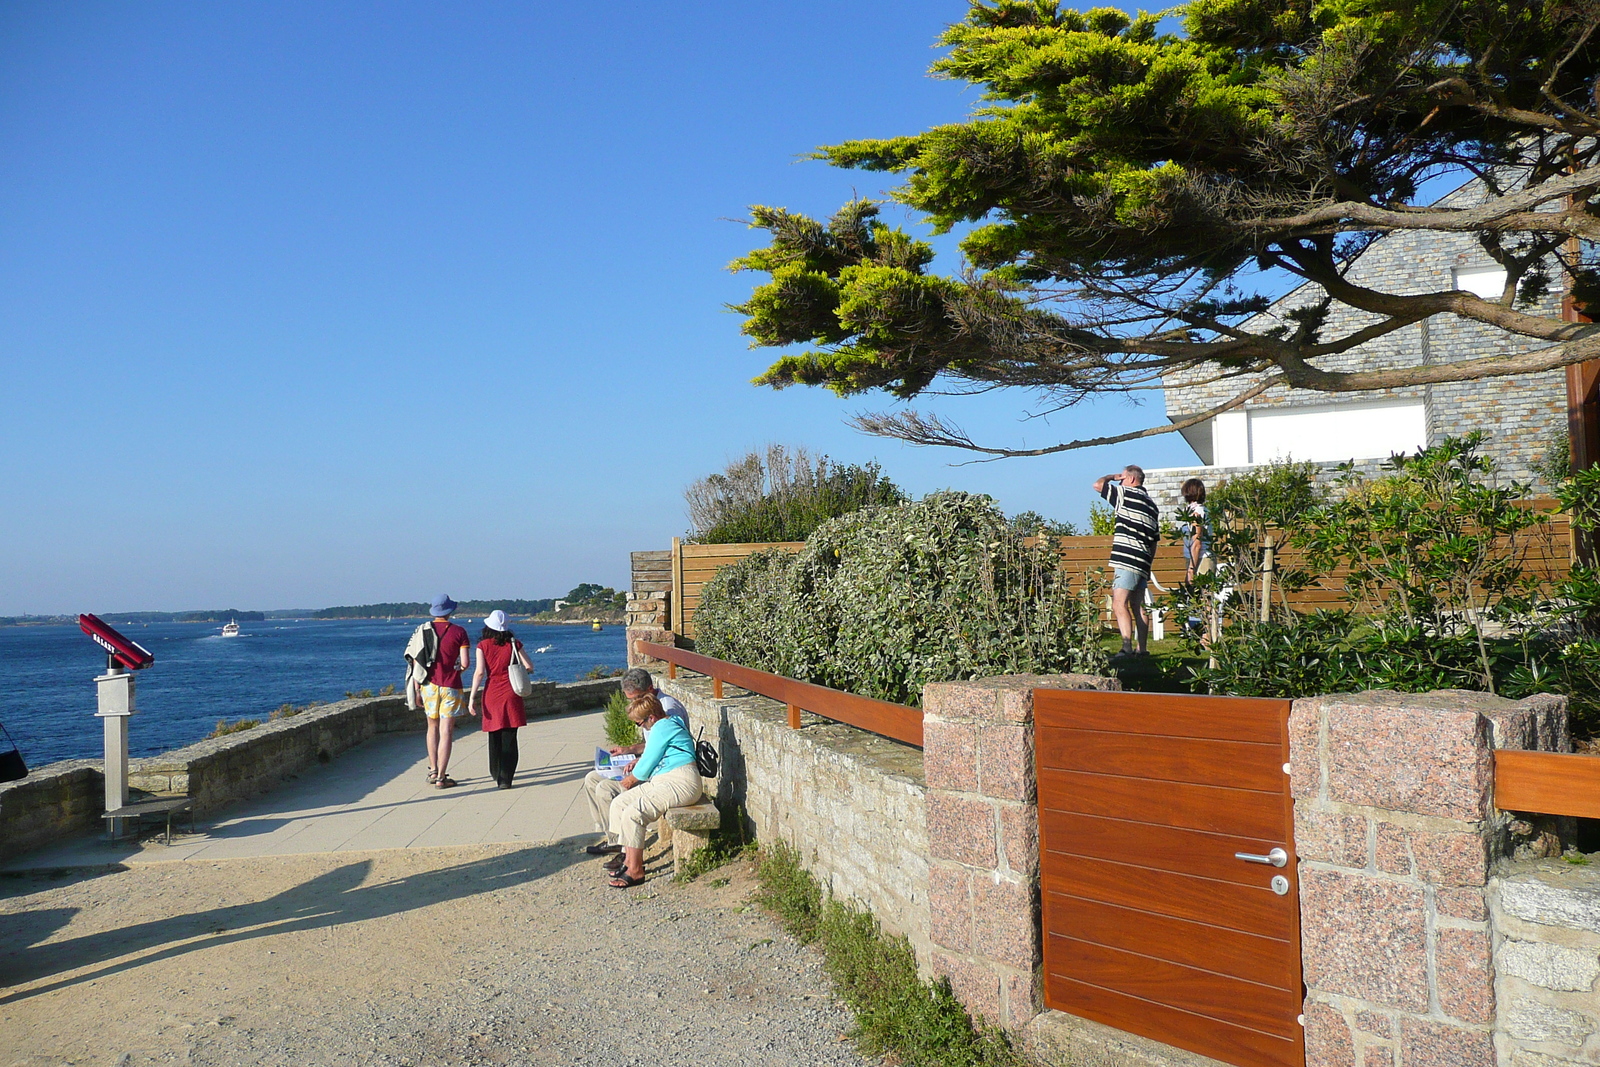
x: 122, y: 652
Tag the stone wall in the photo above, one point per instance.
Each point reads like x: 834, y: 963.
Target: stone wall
x: 1546, y: 919
x: 1397, y: 834
x: 850, y: 802
x: 983, y: 839
x: 650, y: 589
x: 68, y: 797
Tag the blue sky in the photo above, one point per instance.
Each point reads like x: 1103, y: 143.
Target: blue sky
x: 320, y: 303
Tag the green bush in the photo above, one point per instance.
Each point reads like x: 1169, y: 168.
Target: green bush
x: 224, y: 727
x: 915, y: 1023
x: 781, y: 495
x: 887, y: 599
x: 620, y: 729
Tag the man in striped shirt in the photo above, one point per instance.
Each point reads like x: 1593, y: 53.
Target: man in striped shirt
x: 1133, y: 549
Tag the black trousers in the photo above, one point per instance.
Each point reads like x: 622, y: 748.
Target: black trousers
x: 503, y: 755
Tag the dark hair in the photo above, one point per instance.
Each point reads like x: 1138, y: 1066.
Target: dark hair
x: 499, y: 637
x: 1194, y: 491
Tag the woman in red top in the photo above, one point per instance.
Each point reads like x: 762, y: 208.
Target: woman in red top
x: 502, y: 708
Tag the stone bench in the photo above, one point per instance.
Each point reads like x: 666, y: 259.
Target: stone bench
x: 689, y: 830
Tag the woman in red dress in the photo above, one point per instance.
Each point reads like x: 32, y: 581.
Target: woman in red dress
x: 502, y: 708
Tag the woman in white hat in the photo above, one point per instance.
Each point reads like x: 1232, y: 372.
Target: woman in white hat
x: 502, y: 708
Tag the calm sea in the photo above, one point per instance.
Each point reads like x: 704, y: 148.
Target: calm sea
x: 200, y: 676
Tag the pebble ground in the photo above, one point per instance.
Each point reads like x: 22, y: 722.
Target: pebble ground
x: 417, y: 957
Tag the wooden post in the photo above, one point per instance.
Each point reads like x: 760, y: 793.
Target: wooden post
x: 675, y: 608
x: 672, y: 670
x: 794, y: 716
x: 716, y: 688
x: 1268, y: 563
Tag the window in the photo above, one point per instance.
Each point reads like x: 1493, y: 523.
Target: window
x: 1487, y: 282
x: 1322, y: 434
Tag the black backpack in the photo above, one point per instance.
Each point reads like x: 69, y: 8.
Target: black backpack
x: 705, y: 757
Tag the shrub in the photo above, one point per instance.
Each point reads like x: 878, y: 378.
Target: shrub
x: 599, y: 671
x: 224, y: 727
x: 620, y: 729
x: 781, y: 495
x: 916, y: 1023
x: 887, y: 599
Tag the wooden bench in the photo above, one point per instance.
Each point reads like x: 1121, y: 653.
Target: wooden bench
x: 690, y: 829
x: 158, y: 806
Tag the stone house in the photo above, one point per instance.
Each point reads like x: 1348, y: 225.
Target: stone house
x: 1518, y: 415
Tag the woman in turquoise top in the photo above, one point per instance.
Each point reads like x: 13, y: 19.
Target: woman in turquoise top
x: 664, y: 777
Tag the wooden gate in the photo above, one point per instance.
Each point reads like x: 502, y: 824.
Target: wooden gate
x: 1168, y: 870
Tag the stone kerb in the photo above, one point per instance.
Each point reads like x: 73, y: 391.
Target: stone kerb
x: 1397, y: 835
x: 983, y: 839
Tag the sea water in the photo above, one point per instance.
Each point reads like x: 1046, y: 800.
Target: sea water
x: 47, y: 675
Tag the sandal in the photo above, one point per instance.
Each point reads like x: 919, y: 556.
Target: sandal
x: 433, y: 776
x: 604, y: 849
x: 625, y: 881
x: 446, y: 782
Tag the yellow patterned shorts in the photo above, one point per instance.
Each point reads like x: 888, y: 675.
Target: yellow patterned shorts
x: 441, y: 701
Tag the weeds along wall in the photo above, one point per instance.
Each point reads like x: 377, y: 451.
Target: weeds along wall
x: 851, y: 803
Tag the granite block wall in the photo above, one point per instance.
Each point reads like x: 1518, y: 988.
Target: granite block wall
x: 852, y: 803
x: 983, y: 839
x: 1397, y: 836
x: 1546, y: 919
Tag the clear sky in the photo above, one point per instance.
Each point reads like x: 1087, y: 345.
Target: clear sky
x: 327, y: 303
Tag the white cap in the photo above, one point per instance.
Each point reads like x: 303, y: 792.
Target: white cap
x: 496, y: 620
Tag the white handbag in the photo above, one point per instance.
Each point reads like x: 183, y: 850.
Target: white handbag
x: 521, y: 684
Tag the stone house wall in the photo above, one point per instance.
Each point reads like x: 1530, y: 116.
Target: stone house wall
x: 1518, y: 414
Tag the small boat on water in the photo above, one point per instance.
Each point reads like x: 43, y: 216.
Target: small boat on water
x: 230, y: 628
x: 544, y: 648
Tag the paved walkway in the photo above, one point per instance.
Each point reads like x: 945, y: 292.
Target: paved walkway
x: 377, y: 796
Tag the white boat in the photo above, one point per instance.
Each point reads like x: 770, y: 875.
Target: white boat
x: 546, y: 648
x: 230, y: 628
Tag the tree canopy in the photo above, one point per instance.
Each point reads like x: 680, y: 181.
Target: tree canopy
x: 1134, y: 194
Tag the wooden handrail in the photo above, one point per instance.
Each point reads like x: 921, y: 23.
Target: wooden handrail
x: 1547, y: 783
x: 894, y: 721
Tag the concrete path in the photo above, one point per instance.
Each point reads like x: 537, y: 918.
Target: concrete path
x: 377, y: 797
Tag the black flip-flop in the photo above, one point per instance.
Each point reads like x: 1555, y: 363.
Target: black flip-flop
x: 625, y: 881
x: 602, y: 850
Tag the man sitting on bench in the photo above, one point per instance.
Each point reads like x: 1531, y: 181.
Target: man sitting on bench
x: 601, y: 790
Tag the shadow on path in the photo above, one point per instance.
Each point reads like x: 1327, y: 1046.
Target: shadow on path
x: 330, y: 899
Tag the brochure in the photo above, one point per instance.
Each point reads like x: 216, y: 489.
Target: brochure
x: 614, y: 767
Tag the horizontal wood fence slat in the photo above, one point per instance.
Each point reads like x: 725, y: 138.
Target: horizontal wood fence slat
x: 895, y: 721
x: 1547, y: 783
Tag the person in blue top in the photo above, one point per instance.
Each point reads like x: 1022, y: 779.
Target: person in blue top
x: 665, y: 777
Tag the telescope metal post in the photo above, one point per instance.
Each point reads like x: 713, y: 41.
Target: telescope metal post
x: 116, y: 704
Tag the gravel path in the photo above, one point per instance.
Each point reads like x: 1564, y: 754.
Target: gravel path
x: 453, y: 956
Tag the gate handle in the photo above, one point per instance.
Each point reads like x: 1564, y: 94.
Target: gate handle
x: 1277, y: 857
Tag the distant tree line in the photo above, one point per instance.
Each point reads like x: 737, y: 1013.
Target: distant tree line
x: 468, y: 607
x: 218, y: 615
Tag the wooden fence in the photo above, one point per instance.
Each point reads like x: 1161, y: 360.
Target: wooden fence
x: 1548, y: 556
x: 895, y: 721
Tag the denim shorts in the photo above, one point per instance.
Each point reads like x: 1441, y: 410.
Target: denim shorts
x: 1129, y: 579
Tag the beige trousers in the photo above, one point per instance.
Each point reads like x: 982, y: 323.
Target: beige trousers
x: 601, y: 791
x: 648, y: 801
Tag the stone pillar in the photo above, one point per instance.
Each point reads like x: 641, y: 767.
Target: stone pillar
x: 653, y: 634
x: 983, y: 839
x: 1396, y: 833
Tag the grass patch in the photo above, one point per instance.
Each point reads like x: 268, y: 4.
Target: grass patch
x: 1167, y: 669
x: 919, y: 1024
x: 620, y: 730
x: 224, y: 727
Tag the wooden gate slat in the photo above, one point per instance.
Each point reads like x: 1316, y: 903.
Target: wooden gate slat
x: 1240, y: 764
x: 1248, y: 957
x: 1217, y: 996
x: 1210, y: 1037
x: 1166, y: 714
x: 1152, y: 924
x: 1251, y: 909
x: 1245, y: 812
x: 1166, y: 848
